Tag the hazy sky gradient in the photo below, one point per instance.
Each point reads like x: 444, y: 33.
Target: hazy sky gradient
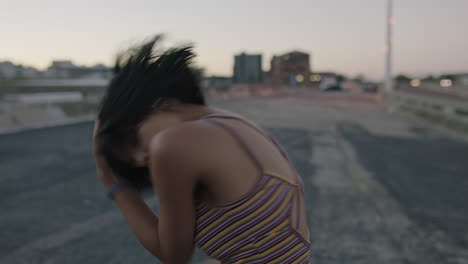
x: 342, y: 35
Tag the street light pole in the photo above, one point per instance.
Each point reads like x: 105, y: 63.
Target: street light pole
x: 389, y: 47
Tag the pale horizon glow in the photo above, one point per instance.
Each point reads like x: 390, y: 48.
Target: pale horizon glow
x: 347, y: 37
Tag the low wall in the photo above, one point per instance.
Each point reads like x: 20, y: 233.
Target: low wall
x: 16, y: 116
x: 451, y: 112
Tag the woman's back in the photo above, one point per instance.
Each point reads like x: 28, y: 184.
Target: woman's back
x: 252, y: 213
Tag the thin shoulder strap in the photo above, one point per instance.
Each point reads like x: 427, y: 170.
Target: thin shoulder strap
x: 247, y: 149
x: 262, y: 132
x: 238, y: 139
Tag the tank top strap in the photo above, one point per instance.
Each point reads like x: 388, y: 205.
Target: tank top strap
x: 300, y: 196
x: 262, y: 131
x: 238, y: 139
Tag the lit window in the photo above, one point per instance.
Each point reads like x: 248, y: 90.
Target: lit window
x: 315, y: 78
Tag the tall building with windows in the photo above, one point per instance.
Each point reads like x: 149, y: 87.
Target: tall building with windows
x: 248, y: 68
x: 292, y: 69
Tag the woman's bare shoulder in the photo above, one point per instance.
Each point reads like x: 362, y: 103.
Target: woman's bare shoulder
x: 189, y: 141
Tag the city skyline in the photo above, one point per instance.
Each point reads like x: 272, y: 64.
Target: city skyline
x: 348, y: 38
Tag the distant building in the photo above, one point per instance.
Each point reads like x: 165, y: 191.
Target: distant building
x: 291, y: 69
x: 28, y: 72
x: 65, y: 69
x: 248, y: 68
x: 8, y: 70
x: 58, y: 70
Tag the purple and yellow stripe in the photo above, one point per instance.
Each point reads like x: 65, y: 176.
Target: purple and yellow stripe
x: 254, y: 229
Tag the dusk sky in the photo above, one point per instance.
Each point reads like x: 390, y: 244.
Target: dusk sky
x: 341, y: 35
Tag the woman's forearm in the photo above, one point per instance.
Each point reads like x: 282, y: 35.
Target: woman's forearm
x: 141, y: 219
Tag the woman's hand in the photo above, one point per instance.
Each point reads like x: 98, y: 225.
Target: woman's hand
x: 107, y: 176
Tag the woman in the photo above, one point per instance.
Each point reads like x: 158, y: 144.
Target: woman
x: 223, y: 183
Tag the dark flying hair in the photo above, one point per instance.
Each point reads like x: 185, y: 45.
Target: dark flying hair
x: 144, y: 76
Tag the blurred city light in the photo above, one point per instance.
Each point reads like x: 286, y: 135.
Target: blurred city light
x: 300, y: 78
x: 415, y: 83
x: 315, y: 78
x: 446, y: 83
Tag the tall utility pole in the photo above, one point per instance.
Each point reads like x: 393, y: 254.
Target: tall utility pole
x: 389, y: 47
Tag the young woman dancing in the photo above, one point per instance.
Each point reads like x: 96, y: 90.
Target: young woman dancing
x: 223, y: 183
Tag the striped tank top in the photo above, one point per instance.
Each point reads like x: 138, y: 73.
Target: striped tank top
x: 264, y: 225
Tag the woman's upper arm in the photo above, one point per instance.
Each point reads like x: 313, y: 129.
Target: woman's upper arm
x: 174, y: 178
